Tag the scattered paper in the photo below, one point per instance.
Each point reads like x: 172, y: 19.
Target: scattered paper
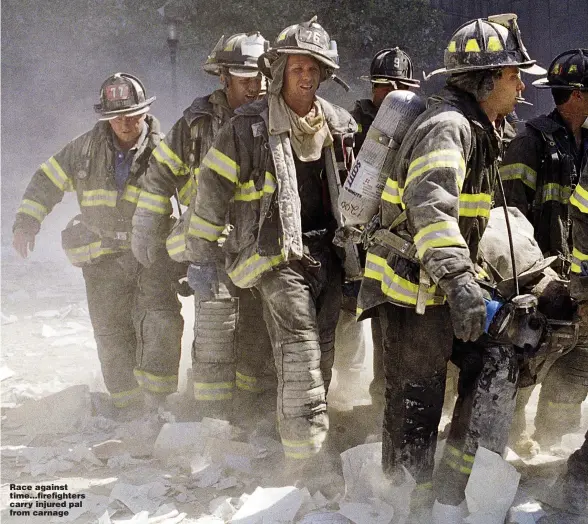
x: 182, y: 437
x: 491, y: 488
x: 8, y: 319
x: 139, y: 498
x: 377, y: 512
x: 5, y: 373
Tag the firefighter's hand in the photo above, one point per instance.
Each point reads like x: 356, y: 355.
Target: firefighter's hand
x: 23, y: 241
x: 467, y: 306
x: 146, y: 246
x: 203, y: 279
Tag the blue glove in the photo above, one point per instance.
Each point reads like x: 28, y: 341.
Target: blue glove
x: 203, y: 279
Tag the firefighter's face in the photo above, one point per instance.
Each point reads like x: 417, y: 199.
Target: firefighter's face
x: 379, y: 92
x: 503, y: 97
x: 240, y: 90
x: 127, y: 128
x: 301, y: 78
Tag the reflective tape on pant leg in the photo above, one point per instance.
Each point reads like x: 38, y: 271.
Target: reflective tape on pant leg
x: 248, y: 383
x: 155, y: 383
x: 122, y: 399
x: 213, y: 350
x: 457, y: 460
x: 300, y: 449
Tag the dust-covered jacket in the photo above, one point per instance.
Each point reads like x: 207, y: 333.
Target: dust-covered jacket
x: 246, y: 172
x: 538, y: 173
x: 579, y: 215
x: 173, y: 167
x: 86, y: 166
x: 443, y: 178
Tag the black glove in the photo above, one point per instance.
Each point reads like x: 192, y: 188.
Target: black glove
x: 467, y: 306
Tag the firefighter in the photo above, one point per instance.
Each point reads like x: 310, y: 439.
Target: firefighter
x: 420, y: 275
x: 273, y: 161
x: 134, y: 310
x: 219, y: 323
x: 540, y: 170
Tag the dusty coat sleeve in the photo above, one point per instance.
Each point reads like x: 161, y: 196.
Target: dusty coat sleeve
x: 579, y: 214
x: 519, y: 172
x: 217, y: 182
x: 46, y: 188
x: 432, y: 187
x: 167, y: 172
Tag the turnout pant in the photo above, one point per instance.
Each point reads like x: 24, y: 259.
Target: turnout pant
x: 301, y: 306
x: 137, y: 325
x: 416, y: 351
x: 482, y: 415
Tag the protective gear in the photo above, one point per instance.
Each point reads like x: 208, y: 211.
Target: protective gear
x: 104, y: 228
x: 306, y: 38
x: 363, y: 188
x: 134, y: 312
x: 148, y: 237
x: 391, y: 66
x: 203, y: 279
x: 237, y: 54
x: 302, y: 295
x: 467, y: 306
x: 122, y: 94
x: 488, y: 43
x: 538, y: 170
x: 569, y: 71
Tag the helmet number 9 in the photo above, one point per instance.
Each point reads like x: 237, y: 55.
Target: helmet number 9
x: 396, y: 63
x: 117, y: 92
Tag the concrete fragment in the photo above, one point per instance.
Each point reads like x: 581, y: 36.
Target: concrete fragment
x: 221, y: 508
x: 491, y: 488
x: 5, y: 373
x: 276, y: 505
x: 182, y: 437
x: 59, y: 413
x: 8, y: 319
x: 325, y: 517
x: 525, y: 510
x: 108, y: 448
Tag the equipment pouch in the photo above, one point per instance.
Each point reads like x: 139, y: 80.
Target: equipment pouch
x: 81, y: 245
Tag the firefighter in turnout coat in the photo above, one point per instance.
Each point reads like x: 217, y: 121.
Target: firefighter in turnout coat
x: 421, y: 265
x: 135, y: 312
x: 224, y: 333
x: 273, y: 161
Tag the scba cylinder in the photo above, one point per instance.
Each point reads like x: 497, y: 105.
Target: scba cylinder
x: 360, y: 196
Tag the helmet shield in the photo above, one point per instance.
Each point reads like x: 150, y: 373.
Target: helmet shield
x: 122, y: 94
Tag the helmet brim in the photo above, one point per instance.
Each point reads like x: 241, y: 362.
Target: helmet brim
x: 135, y: 111
x: 531, y: 68
x: 244, y: 73
x: 544, y: 83
x: 389, y: 79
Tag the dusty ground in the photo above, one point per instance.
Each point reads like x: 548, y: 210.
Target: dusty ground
x: 47, y: 347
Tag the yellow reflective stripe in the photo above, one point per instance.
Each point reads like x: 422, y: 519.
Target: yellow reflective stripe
x: 557, y: 192
x: 221, y: 164
x: 475, y: 205
x: 247, y: 192
x: 464, y: 458
x: 472, y: 46
x: 99, y: 197
x: 494, y: 44
x: 520, y: 172
x: 156, y: 384
x: 564, y: 405
x: 424, y: 486
x: 57, y: 175
x: 300, y: 449
x: 359, y: 128
x: 254, y: 266
x: 165, y: 155
x: 33, y: 209
x: 203, y: 229
x: 176, y: 244
x: 579, y: 199
x: 152, y: 202
x: 392, y: 192
x: 577, y: 258
x: 131, y: 194
x: 393, y: 285
x: 124, y: 398
x: 213, y: 390
x: 185, y: 194
x: 439, y: 234
x: 441, y: 158
x: 248, y: 383
x: 87, y: 252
